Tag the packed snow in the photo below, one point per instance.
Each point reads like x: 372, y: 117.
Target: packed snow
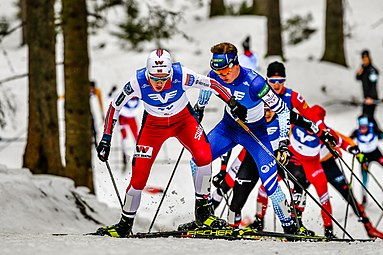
x: 34, y: 207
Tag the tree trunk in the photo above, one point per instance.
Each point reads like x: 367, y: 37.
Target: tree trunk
x: 23, y: 14
x: 260, y: 7
x: 77, y: 108
x: 217, y: 8
x: 334, y: 36
x: 42, y: 152
x: 274, y: 30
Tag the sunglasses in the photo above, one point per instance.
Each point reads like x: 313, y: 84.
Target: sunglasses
x: 158, y: 79
x: 223, y: 72
x: 276, y: 80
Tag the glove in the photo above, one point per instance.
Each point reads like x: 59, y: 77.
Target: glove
x: 218, y: 178
x: 354, y: 150
x: 283, y: 154
x: 103, y: 148
x: 361, y: 158
x: 237, y: 109
x: 199, y: 111
x: 327, y: 138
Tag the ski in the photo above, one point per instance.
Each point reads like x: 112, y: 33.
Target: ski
x: 234, y: 234
x: 241, y: 234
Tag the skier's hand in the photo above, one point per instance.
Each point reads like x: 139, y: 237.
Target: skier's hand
x: 327, y: 138
x: 199, y: 111
x: 103, y: 148
x: 218, y: 178
x: 283, y: 154
x: 361, y: 158
x: 354, y: 150
x: 237, y: 109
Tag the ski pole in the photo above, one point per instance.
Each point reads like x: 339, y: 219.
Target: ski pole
x: 292, y: 177
x: 294, y: 209
x: 226, y: 198
x: 166, y: 189
x: 349, y: 195
x: 114, y: 183
x: 353, y: 174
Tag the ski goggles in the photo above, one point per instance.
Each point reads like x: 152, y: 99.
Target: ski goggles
x: 223, y: 72
x: 159, y: 79
x: 222, y: 63
x: 276, y: 80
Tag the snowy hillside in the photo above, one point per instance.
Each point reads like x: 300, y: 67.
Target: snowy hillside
x: 34, y: 207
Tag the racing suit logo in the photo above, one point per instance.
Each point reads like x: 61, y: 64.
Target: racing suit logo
x: 143, y: 151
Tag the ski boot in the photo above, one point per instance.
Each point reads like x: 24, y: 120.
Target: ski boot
x: 121, y: 229
x: 329, y: 232
x: 258, y: 224
x: 364, y: 201
x: 204, y: 215
x: 372, y: 232
x: 205, y: 218
x: 291, y: 229
x: 302, y: 229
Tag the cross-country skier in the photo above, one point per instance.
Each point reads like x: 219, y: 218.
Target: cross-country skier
x: 334, y: 176
x: 276, y: 78
x: 250, y: 89
x: 161, y: 85
x: 367, y: 136
x: 127, y: 120
x: 337, y: 179
x: 244, y: 179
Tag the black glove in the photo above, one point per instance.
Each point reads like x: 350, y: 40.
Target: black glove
x: 103, y: 148
x: 361, y: 158
x: 283, y: 154
x: 354, y: 150
x: 237, y: 109
x: 218, y: 178
x: 328, y: 139
x: 199, y: 112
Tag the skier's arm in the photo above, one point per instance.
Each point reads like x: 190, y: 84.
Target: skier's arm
x: 205, y: 82
x: 299, y: 103
x: 131, y: 89
x: 276, y: 104
x: 301, y: 121
x: 192, y: 79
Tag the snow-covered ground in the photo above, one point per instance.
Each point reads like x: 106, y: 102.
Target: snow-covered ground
x: 34, y: 207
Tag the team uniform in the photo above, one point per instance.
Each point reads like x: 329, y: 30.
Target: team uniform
x: 368, y: 143
x: 167, y: 114
x: 252, y: 91
x: 127, y: 120
x: 293, y: 100
x: 337, y: 179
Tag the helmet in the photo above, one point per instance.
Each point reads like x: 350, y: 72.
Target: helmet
x: 159, y: 62
x: 363, y: 120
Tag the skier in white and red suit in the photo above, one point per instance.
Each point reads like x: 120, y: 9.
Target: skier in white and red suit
x: 162, y: 86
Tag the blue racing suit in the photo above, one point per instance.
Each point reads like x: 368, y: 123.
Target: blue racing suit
x: 252, y: 91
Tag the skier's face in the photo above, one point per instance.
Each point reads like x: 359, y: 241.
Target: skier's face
x: 366, y: 60
x: 158, y: 81
x: 228, y: 75
x: 269, y: 114
x: 363, y: 129
x: 276, y: 83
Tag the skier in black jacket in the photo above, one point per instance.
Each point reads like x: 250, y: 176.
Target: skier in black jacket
x: 369, y: 76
